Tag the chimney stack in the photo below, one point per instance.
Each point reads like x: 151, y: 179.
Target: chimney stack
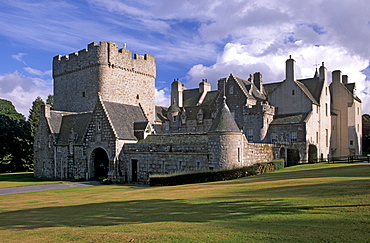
x: 290, y: 69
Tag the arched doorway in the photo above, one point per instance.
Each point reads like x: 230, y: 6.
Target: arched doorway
x: 282, y: 153
x: 312, y: 153
x: 100, y: 161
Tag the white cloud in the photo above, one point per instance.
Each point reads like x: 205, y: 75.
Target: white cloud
x: 162, y: 98
x: 22, y: 91
x: 37, y: 72
x: 19, y: 56
x: 237, y: 59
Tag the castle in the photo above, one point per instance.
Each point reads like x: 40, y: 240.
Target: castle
x: 105, y: 122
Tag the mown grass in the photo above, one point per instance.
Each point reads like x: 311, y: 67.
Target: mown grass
x: 8, y: 180
x: 306, y: 203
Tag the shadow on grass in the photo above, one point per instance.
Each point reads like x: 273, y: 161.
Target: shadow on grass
x: 141, y: 211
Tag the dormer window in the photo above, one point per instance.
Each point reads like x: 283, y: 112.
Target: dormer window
x: 183, y: 118
x: 200, y: 116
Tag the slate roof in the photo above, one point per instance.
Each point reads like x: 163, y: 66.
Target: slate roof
x: 351, y: 87
x: 122, y: 118
x: 160, y: 114
x: 191, y: 97
x: 224, y: 121
x: 289, y: 119
x: 249, y: 89
x: 140, y: 126
x: 314, y: 86
x: 55, y: 119
x: 270, y: 87
x: 76, y: 122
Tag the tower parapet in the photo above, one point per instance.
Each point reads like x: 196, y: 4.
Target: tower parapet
x: 105, y: 53
x: 116, y: 74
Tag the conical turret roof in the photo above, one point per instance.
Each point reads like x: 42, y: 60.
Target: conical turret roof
x: 224, y: 121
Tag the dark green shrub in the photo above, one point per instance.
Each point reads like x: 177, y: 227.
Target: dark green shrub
x: 222, y: 175
x: 293, y: 157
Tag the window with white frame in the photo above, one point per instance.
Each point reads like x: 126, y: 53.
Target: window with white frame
x: 293, y: 137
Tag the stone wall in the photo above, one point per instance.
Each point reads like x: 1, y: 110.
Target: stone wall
x: 43, y: 148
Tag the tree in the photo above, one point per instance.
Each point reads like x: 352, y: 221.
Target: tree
x: 34, y: 115
x: 50, y: 101
x: 8, y: 109
x: 366, y: 132
x: 15, y: 140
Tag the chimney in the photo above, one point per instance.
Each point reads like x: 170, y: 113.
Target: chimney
x: 290, y: 69
x: 323, y: 72
x: 257, y: 77
x: 177, y: 92
x: 204, y: 86
x: 345, y: 79
x: 45, y: 111
x: 337, y: 76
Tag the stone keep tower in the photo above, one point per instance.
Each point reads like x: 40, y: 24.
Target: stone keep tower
x: 102, y: 69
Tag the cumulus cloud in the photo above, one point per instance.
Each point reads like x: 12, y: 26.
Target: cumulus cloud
x: 162, y: 98
x: 22, y: 90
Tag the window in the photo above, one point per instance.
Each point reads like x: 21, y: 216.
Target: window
x: 239, y: 159
x: 326, y: 90
x: 250, y: 135
x: 99, y: 125
x: 293, y: 137
x: 83, y: 94
x: 292, y: 91
x: 327, y: 137
x: 180, y: 165
x: 351, y: 142
x: 326, y: 109
x: 71, y: 147
x: 274, y: 137
x: 231, y: 89
x: 317, y: 137
x: 137, y: 96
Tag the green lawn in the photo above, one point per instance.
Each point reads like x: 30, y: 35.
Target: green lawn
x: 305, y: 203
x: 8, y: 180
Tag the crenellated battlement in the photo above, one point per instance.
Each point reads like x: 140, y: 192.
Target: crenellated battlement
x: 104, y: 54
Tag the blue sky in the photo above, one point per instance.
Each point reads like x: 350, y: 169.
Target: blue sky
x: 190, y: 39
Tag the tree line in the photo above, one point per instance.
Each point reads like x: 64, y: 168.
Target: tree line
x: 17, y: 135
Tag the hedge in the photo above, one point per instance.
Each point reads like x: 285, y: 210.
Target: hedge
x: 221, y: 175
